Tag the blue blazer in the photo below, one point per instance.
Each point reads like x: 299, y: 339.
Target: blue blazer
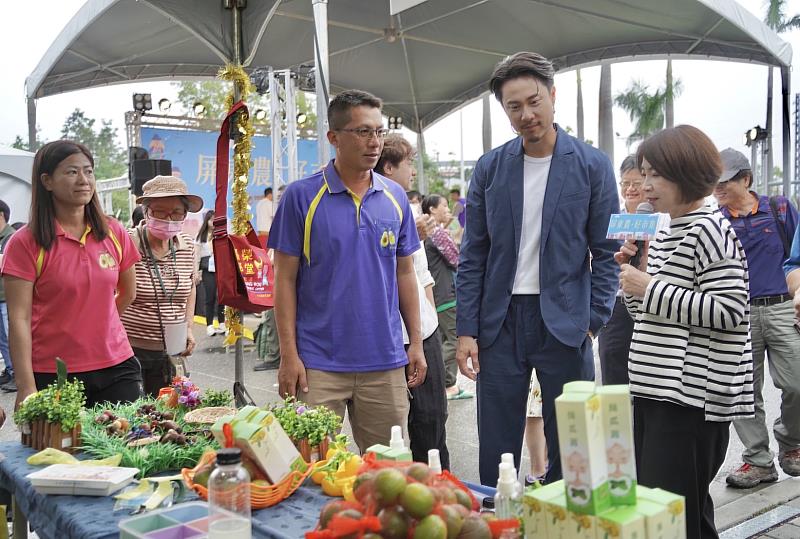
x: 577, y: 291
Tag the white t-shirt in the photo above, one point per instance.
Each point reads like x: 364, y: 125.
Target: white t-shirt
x: 526, y: 279
x: 428, y: 319
x: 265, y: 211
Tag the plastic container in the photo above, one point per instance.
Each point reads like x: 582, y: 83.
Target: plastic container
x: 175, y: 336
x: 508, y: 498
x: 186, y: 520
x: 229, y: 497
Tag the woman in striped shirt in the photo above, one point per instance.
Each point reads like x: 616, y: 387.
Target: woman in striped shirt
x: 165, y: 284
x: 690, y: 363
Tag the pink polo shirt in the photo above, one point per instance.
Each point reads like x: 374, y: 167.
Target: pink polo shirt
x: 74, y: 316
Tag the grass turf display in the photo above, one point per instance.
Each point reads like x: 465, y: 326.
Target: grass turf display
x: 151, y: 458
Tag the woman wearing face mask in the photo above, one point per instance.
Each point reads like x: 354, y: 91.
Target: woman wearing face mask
x: 67, y: 275
x: 161, y: 316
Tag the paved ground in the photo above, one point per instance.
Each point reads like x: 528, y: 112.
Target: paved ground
x: 779, y: 503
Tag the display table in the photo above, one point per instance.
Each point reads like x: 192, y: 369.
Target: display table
x: 87, y: 517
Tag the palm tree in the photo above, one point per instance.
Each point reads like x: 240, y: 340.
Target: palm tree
x: 580, y: 104
x: 776, y: 19
x: 669, y: 103
x: 646, y: 110
x: 605, y: 119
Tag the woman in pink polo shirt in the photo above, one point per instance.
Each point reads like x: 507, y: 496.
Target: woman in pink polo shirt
x: 68, y: 275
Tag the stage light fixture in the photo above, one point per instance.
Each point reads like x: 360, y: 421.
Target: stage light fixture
x: 142, y: 102
x: 395, y: 122
x: 755, y: 134
x: 301, y: 118
x: 164, y: 105
x: 199, y: 109
x: 260, y: 115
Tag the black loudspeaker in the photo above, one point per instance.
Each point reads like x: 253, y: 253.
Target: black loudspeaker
x: 147, y: 169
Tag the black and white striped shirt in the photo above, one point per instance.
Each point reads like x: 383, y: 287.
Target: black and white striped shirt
x: 691, y: 342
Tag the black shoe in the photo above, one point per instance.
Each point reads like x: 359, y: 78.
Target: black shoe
x: 6, y: 377
x: 267, y: 365
x: 9, y: 387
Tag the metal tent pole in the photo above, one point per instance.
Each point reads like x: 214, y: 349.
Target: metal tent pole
x: 321, y: 77
x: 787, y: 112
x: 236, y: 6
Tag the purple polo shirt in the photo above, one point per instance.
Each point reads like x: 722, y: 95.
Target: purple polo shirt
x: 348, y: 313
x: 762, y: 243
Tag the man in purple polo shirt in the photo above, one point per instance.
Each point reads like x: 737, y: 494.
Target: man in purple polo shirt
x: 343, y: 240
x: 765, y: 226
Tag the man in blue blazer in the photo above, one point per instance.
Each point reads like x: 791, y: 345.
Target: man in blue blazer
x: 537, y: 278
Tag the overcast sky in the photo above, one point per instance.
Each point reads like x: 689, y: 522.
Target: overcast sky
x: 722, y: 98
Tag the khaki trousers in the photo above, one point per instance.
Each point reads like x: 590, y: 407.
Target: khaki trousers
x: 375, y: 401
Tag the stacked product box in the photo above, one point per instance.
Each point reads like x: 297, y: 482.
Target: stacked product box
x: 580, y: 435
x: 615, y: 402
x: 599, y: 497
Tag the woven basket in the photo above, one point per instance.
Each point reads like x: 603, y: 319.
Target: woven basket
x: 261, y: 496
x: 208, y: 415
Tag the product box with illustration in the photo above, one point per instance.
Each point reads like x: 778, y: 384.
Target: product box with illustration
x: 675, y: 521
x: 583, y: 455
x: 260, y: 436
x: 617, y: 413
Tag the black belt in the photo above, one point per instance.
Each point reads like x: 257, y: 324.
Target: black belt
x: 770, y: 300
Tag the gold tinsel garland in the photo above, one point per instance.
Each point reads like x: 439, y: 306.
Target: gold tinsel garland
x: 242, y: 149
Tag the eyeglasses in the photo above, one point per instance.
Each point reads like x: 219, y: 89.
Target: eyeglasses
x: 625, y: 185
x: 174, y: 215
x: 366, y: 132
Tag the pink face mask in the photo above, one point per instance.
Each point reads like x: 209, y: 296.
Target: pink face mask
x: 163, y: 229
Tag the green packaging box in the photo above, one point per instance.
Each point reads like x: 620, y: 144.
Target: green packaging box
x: 384, y: 452
x: 260, y: 436
x: 579, y: 386
x: 534, y: 513
x: 621, y: 523
x: 615, y: 401
x: 583, y: 459
x: 656, y: 520
x: 557, y: 515
x: 675, y: 505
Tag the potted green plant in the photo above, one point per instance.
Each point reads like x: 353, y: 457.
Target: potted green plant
x: 51, y: 417
x: 311, y: 428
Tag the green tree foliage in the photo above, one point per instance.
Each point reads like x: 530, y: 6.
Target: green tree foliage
x: 22, y: 144
x: 645, y: 109
x: 110, y: 160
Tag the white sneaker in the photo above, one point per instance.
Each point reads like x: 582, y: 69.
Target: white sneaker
x: 221, y: 329
x: 210, y: 331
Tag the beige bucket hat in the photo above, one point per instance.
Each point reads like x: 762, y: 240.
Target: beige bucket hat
x: 169, y: 186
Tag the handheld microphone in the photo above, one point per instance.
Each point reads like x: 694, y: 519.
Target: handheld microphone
x: 643, y: 208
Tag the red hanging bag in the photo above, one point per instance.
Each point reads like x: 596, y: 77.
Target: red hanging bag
x: 245, y: 277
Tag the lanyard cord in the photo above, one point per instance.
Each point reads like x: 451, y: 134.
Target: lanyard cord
x: 154, y: 269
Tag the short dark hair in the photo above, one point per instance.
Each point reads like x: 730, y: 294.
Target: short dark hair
x: 521, y: 64
x: 685, y: 156
x: 455, y: 190
x: 430, y: 202
x: 5, y: 210
x: 137, y: 216
x: 339, y: 108
x: 396, y: 149
x: 267, y: 191
x: 414, y: 195
x: 629, y: 163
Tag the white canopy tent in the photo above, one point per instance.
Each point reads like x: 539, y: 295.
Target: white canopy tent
x: 424, y: 61
x: 15, y: 182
